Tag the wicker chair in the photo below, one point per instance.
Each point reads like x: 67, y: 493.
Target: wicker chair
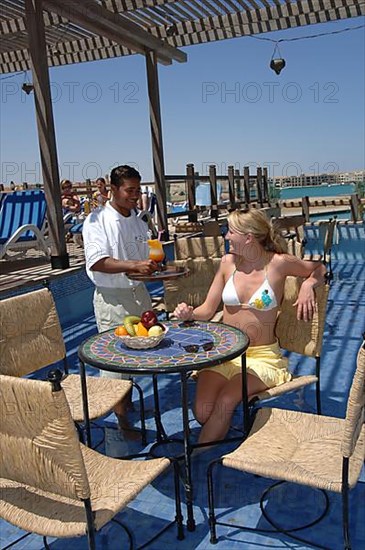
x: 50, y: 483
x: 31, y: 339
x: 322, y: 452
x: 202, y: 256
x: 300, y: 337
x: 292, y: 229
x: 326, y: 237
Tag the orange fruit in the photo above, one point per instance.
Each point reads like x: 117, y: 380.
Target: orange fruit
x: 141, y: 330
x: 121, y: 331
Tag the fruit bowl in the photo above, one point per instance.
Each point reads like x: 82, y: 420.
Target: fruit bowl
x: 142, y: 342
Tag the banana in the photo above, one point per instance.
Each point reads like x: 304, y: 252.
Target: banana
x: 128, y: 323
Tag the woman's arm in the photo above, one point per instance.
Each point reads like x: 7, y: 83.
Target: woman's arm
x: 207, y: 309
x: 314, y: 273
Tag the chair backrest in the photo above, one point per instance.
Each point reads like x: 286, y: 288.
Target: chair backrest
x: 286, y: 224
x: 188, y: 227
x: 355, y: 407
x: 211, y: 228
x: 202, y: 257
x: 192, y: 289
x: 2, y: 198
x: 292, y: 229
x: 31, y: 335
x: 300, y: 336
x: 326, y: 234
x: 22, y: 208
x: 39, y: 444
x: 199, y: 247
x: 295, y: 247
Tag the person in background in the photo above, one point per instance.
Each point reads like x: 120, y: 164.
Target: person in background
x: 115, y: 243
x: 70, y: 201
x: 101, y: 196
x: 250, y: 282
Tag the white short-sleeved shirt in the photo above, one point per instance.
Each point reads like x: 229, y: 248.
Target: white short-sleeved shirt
x: 107, y: 233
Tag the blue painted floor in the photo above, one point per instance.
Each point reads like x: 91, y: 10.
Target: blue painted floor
x: 237, y: 494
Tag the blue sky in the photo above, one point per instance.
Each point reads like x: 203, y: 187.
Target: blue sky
x: 224, y: 106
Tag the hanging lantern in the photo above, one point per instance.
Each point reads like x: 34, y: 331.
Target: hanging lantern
x: 277, y: 64
x: 27, y: 87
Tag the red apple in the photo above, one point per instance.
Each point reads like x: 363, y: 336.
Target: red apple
x: 149, y: 318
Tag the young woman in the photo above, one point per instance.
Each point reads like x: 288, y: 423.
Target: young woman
x: 250, y: 282
x: 70, y: 200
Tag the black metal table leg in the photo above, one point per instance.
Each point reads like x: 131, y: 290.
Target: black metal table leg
x: 85, y: 404
x: 187, y: 451
x: 161, y: 434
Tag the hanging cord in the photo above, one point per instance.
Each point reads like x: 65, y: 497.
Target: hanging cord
x: 308, y: 37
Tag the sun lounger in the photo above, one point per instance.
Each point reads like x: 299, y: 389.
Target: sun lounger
x: 22, y: 222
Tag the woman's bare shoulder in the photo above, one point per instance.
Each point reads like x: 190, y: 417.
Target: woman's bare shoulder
x: 280, y: 262
x: 228, y: 260
x: 227, y: 265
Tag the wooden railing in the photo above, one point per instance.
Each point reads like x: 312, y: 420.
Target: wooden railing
x: 240, y: 190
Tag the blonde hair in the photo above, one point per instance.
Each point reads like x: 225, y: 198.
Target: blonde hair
x: 256, y: 223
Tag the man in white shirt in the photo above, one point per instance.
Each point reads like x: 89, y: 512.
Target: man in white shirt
x: 115, y: 242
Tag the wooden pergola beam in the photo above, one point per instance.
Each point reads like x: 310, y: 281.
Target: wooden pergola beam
x: 95, y: 18
x: 46, y: 132
x: 157, y: 142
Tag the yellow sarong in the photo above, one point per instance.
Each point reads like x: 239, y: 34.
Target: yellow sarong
x: 265, y: 362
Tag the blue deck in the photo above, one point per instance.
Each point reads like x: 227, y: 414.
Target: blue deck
x: 237, y: 495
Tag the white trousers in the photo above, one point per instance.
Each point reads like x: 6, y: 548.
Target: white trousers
x: 111, y: 305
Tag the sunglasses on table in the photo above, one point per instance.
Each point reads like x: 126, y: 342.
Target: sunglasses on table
x: 194, y: 348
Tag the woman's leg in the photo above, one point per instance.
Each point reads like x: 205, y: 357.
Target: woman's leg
x: 227, y: 399
x: 209, y: 386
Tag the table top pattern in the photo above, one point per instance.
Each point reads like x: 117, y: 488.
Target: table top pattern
x: 106, y: 352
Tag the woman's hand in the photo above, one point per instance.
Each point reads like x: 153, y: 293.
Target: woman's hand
x: 184, y: 312
x: 306, y: 303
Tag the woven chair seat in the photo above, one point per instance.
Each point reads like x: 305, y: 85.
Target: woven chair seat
x: 298, y: 447
x: 103, y: 395
x: 113, y: 483
x: 294, y: 384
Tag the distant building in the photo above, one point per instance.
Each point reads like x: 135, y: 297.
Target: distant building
x: 317, y: 179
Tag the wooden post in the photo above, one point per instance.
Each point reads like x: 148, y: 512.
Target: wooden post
x: 46, y: 133
x: 232, y: 199
x: 265, y: 184
x: 213, y: 190
x: 354, y: 205
x: 246, y: 182
x: 89, y: 190
x: 238, y: 185
x: 259, y: 185
x: 305, y: 208
x: 157, y: 144
x: 190, y: 179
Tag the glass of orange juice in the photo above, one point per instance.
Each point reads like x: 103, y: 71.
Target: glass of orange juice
x: 156, y: 252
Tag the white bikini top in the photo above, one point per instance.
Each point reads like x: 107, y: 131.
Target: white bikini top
x: 263, y: 299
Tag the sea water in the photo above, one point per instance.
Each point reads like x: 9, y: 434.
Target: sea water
x: 329, y: 190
